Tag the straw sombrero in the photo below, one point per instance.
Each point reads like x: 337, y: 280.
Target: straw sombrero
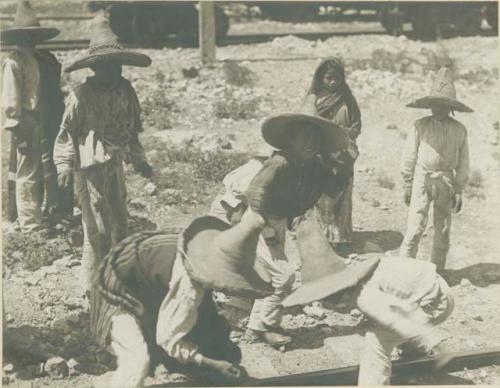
x: 212, y: 267
x: 443, y: 92
x: 323, y: 273
x: 104, y: 46
x: 27, y: 26
x: 275, y: 129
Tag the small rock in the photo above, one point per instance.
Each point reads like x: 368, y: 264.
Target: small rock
x: 73, y: 263
x: 375, y: 203
x: 73, y: 367
x: 9, y: 368
x: 18, y: 255
x: 190, y: 72
x: 62, y: 261
x: 355, y: 313
x: 9, y: 318
x: 384, y: 208
x: 77, y: 212
x: 59, y: 227
x: 57, y: 368
x: 465, y: 282
x: 478, y: 317
x: 282, y: 349
x: 137, y: 204
x: 391, y: 126
x: 314, y: 310
x: 150, y: 188
x: 462, y: 321
x: 74, y: 303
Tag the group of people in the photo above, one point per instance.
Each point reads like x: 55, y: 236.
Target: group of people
x: 150, y: 293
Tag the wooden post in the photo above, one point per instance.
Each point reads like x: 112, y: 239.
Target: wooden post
x: 207, y: 31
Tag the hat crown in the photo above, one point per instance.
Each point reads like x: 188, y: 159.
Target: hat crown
x: 102, y: 36
x: 25, y: 15
x: 317, y: 256
x: 443, y: 84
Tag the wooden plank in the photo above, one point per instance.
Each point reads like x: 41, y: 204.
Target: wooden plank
x: 401, y: 370
x: 206, y: 17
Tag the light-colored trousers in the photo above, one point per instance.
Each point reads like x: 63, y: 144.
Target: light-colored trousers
x: 29, y: 189
x: 131, y: 351
x: 375, y: 367
x: 435, y: 188
x: 271, y: 255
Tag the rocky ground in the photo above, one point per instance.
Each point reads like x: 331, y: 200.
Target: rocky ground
x: 202, y: 122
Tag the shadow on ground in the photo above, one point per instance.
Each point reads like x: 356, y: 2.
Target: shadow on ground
x: 480, y: 275
x: 379, y: 241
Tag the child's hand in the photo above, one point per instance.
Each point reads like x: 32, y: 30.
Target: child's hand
x: 407, y: 196
x: 457, y: 202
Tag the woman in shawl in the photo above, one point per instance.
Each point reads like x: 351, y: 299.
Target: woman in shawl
x: 334, y: 101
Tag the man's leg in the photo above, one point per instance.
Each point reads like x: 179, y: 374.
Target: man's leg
x: 267, y: 312
x: 417, y: 217
x: 117, y: 199
x: 442, y: 226
x: 29, y: 183
x: 375, y: 366
x: 131, y: 350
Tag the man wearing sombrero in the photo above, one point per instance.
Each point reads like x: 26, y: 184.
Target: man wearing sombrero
x: 32, y: 107
x: 158, y: 287
x: 284, y: 186
x: 403, y: 300
x: 99, y: 131
x: 435, y: 168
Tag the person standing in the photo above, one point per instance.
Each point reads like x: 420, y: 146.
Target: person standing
x: 435, y: 168
x: 32, y: 106
x: 280, y: 188
x: 335, y: 101
x: 99, y: 131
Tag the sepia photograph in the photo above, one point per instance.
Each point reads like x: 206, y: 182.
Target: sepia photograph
x: 249, y: 193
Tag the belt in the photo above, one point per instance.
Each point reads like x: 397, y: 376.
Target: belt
x: 444, y: 175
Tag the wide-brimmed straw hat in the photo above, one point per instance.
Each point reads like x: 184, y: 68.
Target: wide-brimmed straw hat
x: 27, y: 26
x: 210, y: 264
x: 104, y: 46
x: 442, y: 92
x: 323, y: 273
x: 276, y: 129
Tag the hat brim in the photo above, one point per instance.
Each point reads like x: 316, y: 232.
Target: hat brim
x: 429, y: 101
x: 275, y: 130
x: 124, y: 57
x: 331, y: 284
x: 216, y: 271
x: 39, y: 34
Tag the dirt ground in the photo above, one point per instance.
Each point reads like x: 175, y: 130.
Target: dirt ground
x: 216, y: 111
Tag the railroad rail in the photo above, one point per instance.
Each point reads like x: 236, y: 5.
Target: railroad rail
x: 172, y: 41
x: 402, y: 371
x: 54, y: 17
